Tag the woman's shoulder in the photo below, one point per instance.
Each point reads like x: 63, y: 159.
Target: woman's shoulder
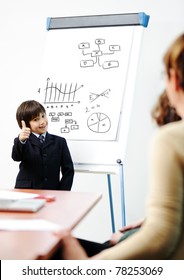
x: 170, y: 136
x: 171, y: 129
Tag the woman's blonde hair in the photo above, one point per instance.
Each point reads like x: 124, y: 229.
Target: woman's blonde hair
x: 162, y: 112
x: 174, y: 59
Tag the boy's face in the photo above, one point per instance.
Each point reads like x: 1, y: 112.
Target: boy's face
x: 39, y: 124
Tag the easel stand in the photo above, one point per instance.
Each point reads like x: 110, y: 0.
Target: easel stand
x: 108, y: 170
x: 101, y: 149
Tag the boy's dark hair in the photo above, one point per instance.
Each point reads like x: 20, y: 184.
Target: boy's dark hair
x: 27, y: 111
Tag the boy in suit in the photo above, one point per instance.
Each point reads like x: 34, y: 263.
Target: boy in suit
x: 43, y: 157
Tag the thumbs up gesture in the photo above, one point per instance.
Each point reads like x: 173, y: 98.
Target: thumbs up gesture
x: 25, y: 132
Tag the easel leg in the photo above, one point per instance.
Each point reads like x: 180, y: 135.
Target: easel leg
x: 122, y: 195
x: 111, y: 202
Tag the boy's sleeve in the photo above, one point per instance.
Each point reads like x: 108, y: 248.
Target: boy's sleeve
x: 67, y: 168
x: 18, y: 149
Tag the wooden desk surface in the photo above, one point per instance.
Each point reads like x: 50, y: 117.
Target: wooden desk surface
x: 67, y: 210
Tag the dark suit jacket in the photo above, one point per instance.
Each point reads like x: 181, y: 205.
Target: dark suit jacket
x: 42, y: 164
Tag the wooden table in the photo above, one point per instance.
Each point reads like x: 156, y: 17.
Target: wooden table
x: 67, y: 210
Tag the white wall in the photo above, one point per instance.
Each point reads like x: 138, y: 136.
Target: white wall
x: 22, y: 40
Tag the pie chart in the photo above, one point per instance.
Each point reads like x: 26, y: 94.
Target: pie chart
x: 99, y: 123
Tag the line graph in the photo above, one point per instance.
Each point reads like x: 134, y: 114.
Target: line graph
x: 61, y: 93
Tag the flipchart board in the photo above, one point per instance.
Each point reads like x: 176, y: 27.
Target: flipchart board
x: 87, y: 84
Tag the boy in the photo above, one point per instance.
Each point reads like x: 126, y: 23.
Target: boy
x: 41, y: 160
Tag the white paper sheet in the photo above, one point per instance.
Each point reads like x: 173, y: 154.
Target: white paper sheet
x: 28, y: 224
x: 16, y: 195
x: 84, y: 74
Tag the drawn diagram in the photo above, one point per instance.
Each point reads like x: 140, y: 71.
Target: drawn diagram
x: 55, y: 97
x: 69, y: 122
x: 71, y: 112
x: 99, y: 123
x: 69, y: 125
x: 62, y: 93
x: 60, y: 100
x: 95, y: 56
x: 94, y: 96
x: 83, y: 81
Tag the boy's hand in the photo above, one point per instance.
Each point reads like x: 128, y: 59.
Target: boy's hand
x: 25, y: 132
